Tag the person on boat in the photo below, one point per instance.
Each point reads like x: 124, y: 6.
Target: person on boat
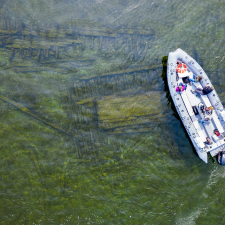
x: 181, y: 87
x: 208, y: 141
x: 207, y: 119
x: 195, y: 78
x: 189, y: 80
x: 208, y: 110
x: 206, y: 90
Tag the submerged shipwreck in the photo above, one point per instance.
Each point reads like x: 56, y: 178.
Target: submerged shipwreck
x: 197, y: 104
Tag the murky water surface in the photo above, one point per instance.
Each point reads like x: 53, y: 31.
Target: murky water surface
x: 88, y: 134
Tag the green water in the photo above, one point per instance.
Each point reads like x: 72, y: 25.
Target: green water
x: 88, y: 132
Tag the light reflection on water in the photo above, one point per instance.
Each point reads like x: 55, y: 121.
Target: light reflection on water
x: 87, y: 133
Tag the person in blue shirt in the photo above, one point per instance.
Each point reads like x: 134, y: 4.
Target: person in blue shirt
x: 190, y: 80
x: 195, y: 78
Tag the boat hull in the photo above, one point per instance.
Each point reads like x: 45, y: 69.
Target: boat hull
x: 185, y: 101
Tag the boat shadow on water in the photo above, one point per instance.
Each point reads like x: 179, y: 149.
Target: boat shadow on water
x: 171, y: 103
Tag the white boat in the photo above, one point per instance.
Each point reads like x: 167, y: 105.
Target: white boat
x: 206, y: 136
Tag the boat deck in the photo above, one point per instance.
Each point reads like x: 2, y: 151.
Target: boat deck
x: 205, y: 129
x: 191, y: 107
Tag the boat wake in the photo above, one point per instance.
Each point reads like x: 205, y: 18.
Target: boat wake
x: 205, y: 201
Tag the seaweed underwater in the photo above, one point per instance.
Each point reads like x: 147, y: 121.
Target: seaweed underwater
x: 31, y: 55
x: 75, y: 120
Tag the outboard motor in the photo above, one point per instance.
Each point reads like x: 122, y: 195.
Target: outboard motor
x: 221, y: 158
